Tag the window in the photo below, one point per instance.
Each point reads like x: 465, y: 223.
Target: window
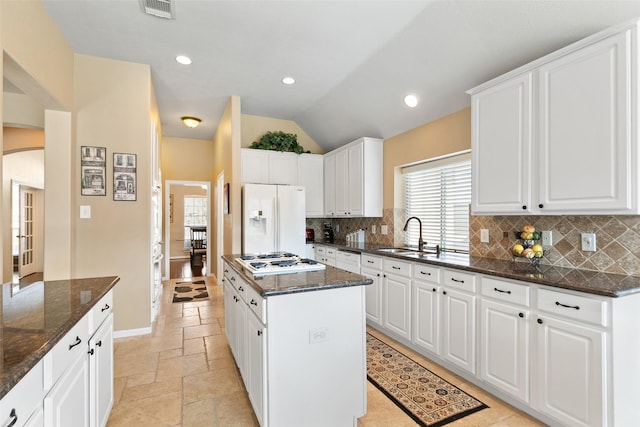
x: 195, y: 214
x: 439, y: 193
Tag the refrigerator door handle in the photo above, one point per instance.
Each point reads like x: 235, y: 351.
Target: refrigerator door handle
x: 276, y: 223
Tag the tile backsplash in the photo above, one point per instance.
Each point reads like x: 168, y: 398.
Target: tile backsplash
x: 617, y: 240
x: 617, y: 237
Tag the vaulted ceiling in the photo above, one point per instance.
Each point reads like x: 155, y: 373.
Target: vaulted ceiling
x: 353, y: 61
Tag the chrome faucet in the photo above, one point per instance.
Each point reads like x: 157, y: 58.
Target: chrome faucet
x: 420, y: 241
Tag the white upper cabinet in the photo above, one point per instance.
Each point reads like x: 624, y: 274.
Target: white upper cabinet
x: 558, y: 136
x: 269, y: 167
x: 311, y: 177
x: 501, y: 126
x: 354, y: 189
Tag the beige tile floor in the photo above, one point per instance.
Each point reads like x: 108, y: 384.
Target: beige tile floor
x: 183, y: 374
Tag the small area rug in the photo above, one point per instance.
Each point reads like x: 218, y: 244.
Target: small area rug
x: 428, y: 399
x: 190, y: 291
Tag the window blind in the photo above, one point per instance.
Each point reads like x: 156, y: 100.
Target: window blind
x: 439, y: 193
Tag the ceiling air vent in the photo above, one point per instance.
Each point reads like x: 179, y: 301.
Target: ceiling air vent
x: 160, y: 8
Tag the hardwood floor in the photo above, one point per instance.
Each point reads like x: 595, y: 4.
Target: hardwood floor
x: 182, y: 269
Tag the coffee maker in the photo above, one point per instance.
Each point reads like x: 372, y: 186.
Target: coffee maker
x: 328, y: 232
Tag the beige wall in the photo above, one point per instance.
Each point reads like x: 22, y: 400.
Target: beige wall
x: 253, y: 127
x: 449, y: 134
x: 31, y: 39
x: 187, y: 159
x: 17, y: 139
x: 113, y: 110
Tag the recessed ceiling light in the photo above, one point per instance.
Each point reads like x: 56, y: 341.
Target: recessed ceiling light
x: 411, y: 101
x: 288, y: 80
x: 190, y: 122
x: 184, y: 60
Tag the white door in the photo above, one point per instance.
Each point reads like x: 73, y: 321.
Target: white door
x: 355, y: 183
x: 256, y: 364
x: 330, y: 184
x: 26, y: 251
x: 67, y: 404
x: 373, y: 294
x: 426, y: 312
x: 101, y: 373
x: 397, y: 305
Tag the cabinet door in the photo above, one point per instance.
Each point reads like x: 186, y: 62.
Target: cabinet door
x: 101, y: 373
x: 36, y: 419
x: 373, y: 295
x: 585, y: 130
x: 426, y: 315
x: 283, y: 168
x: 459, y: 329
x: 311, y: 177
x: 571, y: 372
x: 254, y: 166
x: 504, y: 347
x: 330, y: 184
x: 355, y: 181
x: 240, y: 320
x: 342, y: 182
x: 256, y: 366
x: 501, y: 147
x: 397, y: 305
x: 67, y: 404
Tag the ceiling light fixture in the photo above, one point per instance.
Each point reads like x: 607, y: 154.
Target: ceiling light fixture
x: 411, y: 101
x: 184, y: 60
x: 191, y: 122
x: 288, y: 80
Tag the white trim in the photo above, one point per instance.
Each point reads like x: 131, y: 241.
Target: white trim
x: 132, y: 332
x: 167, y: 224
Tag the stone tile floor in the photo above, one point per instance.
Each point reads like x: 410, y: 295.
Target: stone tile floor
x: 183, y: 374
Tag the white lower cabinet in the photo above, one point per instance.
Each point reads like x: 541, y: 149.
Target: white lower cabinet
x: 67, y: 404
x: 256, y: 337
x: 396, y: 301
x: 504, y: 337
x: 101, y: 373
x: 22, y: 405
x: 371, y: 268
x: 426, y: 307
x: 459, y: 319
x: 571, y: 358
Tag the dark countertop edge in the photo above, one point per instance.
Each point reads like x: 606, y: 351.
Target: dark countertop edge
x: 21, y: 370
x: 523, y: 276
x: 270, y: 293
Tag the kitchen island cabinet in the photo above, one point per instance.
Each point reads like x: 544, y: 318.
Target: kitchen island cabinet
x: 57, y: 353
x: 301, y: 334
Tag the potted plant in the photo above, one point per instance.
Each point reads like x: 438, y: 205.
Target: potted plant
x: 279, y: 141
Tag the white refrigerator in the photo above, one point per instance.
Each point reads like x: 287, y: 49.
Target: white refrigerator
x: 273, y: 219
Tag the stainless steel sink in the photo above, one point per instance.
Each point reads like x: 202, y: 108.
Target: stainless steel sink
x: 396, y: 250
x: 412, y: 252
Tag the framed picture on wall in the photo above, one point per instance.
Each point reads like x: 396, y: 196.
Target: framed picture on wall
x: 124, y: 177
x: 225, y: 199
x: 93, y: 165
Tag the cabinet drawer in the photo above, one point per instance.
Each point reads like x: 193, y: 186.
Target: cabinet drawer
x: 257, y: 304
x: 66, y: 352
x: 101, y: 311
x: 23, y: 398
x: 370, y: 261
x: 459, y: 280
x: 331, y: 252
x: 505, y: 291
x: 394, y: 266
x: 426, y: 272
x: 584, y: 308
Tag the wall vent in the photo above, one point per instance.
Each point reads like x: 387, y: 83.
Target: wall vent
x: 159, y: 8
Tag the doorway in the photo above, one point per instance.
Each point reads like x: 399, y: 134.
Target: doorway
x: 179, y: 221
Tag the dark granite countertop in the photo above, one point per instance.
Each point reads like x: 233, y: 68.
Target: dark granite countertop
x: 36, y: 316
x: 279, y: 284
x: 592, y: 282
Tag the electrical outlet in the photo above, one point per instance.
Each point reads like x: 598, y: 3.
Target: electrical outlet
x: 373, y: 229
x: 484, y: 235
x: 547, y: 238
x: 384, y: 229
x: 317, y: 335
x: 588, y: 242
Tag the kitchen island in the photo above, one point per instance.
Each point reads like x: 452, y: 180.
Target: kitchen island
x: 44, y: 339
x: 299, y: 342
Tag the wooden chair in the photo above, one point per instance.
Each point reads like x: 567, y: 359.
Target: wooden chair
x: 198, y: 245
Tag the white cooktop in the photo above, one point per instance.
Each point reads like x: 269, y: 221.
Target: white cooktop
x: 278, y: 263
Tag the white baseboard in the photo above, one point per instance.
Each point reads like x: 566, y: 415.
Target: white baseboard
x: 131, y: 332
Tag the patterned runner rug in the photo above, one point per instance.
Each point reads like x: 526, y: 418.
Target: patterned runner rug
x: 424, y: 396
x: 190, y: 291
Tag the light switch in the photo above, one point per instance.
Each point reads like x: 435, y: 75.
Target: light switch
x: 484, y: 235
x: 373, y: 229
x: 85, y: 211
